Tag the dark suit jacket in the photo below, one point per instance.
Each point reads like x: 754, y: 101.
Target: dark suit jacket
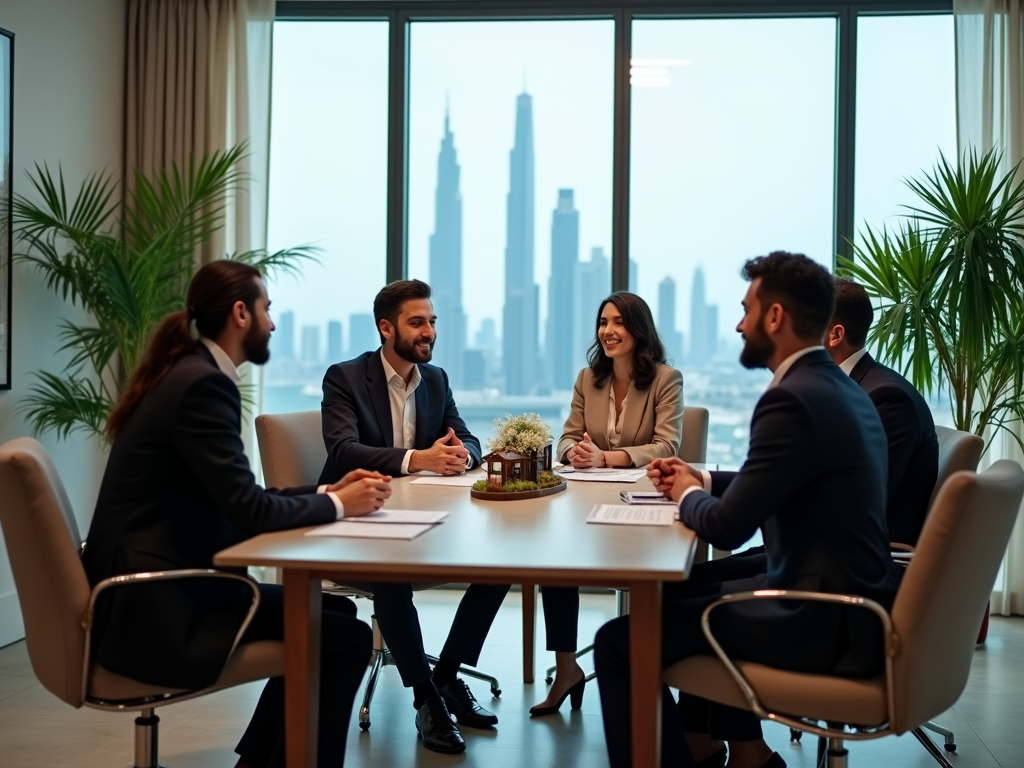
x: 913, y: 447
x: 358, y: 431
x: 177, y: 489
x: 814, y: 481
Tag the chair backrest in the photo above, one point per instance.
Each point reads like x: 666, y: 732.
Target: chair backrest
x: 693, y: 449
x: 43, y: 546
x: 958, y: 452
x: 942, y: 599
x: 291, y: 448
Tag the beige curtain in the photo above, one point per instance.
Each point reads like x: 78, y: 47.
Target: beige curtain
x: 198, y: 81
x: 990, y: 113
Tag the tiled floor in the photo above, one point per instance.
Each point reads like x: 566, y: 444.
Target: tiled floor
x: 38, y: 731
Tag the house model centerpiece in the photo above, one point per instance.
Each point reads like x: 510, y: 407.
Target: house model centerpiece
x: 519, y: 463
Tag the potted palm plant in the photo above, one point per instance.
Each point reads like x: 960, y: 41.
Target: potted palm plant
x: 949, y: 282
x: 126, y: 257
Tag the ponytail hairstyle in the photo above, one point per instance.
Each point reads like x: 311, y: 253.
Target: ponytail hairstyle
x: 648, y: 350
x: 211, y: 295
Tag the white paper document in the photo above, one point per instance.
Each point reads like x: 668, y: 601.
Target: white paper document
x: 606, y: 475
x: 632, y: 514
x: 421, y: 516
x: 356, y: 530
x: 451, y: 480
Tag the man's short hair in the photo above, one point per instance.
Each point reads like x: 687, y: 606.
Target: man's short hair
x: 388, y: 303
x: 853, y: 311
x: 803, y: 287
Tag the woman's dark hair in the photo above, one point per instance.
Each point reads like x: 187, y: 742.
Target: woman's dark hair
x: 648, y: 352
x: 803, y: 287
x: 388, y: 303
x: 853, y: 311
x: 212, y: 293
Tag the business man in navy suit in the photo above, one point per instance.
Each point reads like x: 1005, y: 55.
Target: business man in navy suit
x: 814, y: 482
x: 391, y: 411
x: 909, y: 427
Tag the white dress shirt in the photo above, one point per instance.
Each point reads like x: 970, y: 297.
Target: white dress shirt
x: 850, y: 363
x: 403, y: 408
x: 614, y: 428
x: 229, y: 369
x: 781, y: 371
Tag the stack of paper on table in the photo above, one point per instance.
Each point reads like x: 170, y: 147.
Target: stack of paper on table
x: 611, y: 475
x: 632, y: 514
x: 465, y: 480
x: 383, y: 524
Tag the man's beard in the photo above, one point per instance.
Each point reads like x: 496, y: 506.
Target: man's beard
x: 757, y: 348
x: 257, y: 346
x: 408, y: 351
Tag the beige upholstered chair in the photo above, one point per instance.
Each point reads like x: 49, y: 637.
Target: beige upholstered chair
x: 951, y: 574
x: 43, y: 544
x: 293, y: 454
x: 693, y: 449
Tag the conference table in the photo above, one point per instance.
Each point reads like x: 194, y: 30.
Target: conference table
x: 533, y: 541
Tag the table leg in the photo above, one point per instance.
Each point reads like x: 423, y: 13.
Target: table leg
x: 529, y: 631
x: 645, y: 671
x: 302, y: 615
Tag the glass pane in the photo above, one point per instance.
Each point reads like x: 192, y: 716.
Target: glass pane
x: 732, y: 156
x: 906, y: 108
x: 510, y: 171
x: 328, y: 185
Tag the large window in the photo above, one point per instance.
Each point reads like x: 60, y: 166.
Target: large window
x: 328, y: 188
x: 732, y: 156
x: 510, y: 203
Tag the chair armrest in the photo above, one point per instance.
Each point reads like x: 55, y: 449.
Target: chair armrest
x: 891, y: 640
x: 155, y: 576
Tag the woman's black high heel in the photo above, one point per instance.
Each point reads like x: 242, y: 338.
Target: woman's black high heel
x: 575, y: 695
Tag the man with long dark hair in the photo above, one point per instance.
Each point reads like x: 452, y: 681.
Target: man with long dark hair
x: 814, y: 482
x: 178, y: 488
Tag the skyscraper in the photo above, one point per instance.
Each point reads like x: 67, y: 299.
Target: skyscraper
x: 283, y: 340
x: 565, y: 256
x: 593, y: 284
x: 310, y: 344
x: 334, y: 352
x: 699, y: 353
x: 363, y: 336
x: 446, y: 262
x: 519, y: 331
x: 670, y: 337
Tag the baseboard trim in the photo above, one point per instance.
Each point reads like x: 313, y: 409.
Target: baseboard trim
x: 12, y: 627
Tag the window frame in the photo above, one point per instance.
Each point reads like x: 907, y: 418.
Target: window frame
x: 400, y: 14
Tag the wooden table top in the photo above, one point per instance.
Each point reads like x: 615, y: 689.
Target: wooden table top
x: 544, y: 540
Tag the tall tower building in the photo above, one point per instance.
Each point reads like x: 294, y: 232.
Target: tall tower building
x: 519, y: 332
x: 446, y: 262
x: 311, y: 344
x: 593, y: 284
x: 283, y: 340
x: 334, y: 352
x: 699, y: 352
x: 362, y: 334
x: 670, y: 337
x: 565, y: 256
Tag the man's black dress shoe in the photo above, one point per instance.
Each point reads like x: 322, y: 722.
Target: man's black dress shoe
x: 463, y: 704
x: 717, y: 760
x: 435, y: 727
x: 775, y: 761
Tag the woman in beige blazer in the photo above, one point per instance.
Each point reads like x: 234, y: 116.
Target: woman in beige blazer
x: 627, y: 410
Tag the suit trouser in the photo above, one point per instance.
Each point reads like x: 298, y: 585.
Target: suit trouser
x: 345, y: 644
x: 400, y: 625
x: 561, y: 617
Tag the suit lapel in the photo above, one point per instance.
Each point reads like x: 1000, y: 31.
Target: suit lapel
x: 636, y: 405
x: 423, y: 438
x: 861, y: 368
x: 595, y: 413
x: 377, y: 388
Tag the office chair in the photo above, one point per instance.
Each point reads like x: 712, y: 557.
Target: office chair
x: 293, y: 454
x: 693, y: 449
x: 952, y: 572
x: 44, y: 546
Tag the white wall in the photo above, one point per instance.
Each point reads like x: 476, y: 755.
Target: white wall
x: 68, y: 109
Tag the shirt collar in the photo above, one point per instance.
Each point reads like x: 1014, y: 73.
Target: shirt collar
x: 390, y: 374
x: 786, y: 364
x: 850, y: 363
x: 220, y: 357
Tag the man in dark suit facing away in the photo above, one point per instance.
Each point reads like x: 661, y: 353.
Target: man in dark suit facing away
x: 391, y: 411
x: 177, y: 489
x: 814, y: 482
x: 908, y: 423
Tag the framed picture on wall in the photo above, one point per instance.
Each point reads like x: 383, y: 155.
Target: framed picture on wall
x: 6, y: 144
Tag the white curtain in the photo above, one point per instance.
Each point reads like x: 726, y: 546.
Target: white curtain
x: 990, y: 113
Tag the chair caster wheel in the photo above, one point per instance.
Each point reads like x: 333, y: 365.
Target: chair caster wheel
x: 949, y: 747
x: 495, y: 692
x: 364, y: 726
x: 795, y: 735
x: 549, y: 680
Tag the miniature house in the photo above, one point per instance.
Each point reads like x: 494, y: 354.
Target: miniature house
x: 506, y: 466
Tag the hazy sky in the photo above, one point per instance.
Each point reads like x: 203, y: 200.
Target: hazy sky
x: 733, y: 156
